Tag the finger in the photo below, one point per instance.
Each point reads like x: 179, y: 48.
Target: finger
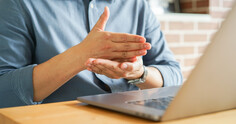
x: 109, y: 68
x: 124, y: 37
x: 112, y: 65
x: 89, y: 62
x: 109, y: 73
x: 134, y: 66
x: 101, y: 23
x: 129, y: 54
x: 122, y: 47
x: 96, y: 70
x: 128, y: 66
x: 126, y: 60
x: 105, y: 62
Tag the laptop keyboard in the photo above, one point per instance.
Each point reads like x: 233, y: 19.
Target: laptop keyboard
x: 159, y: 103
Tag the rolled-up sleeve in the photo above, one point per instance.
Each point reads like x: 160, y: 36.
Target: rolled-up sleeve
x: 16, y: 54
x: 160, y: 55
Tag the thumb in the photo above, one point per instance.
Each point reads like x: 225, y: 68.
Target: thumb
x: 101, y: 23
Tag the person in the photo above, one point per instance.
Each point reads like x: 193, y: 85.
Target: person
x: 58, y: 50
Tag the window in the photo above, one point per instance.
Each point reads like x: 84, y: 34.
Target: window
x: 179, y: 6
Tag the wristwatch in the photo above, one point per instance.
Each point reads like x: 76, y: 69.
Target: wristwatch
x: 140, y: 80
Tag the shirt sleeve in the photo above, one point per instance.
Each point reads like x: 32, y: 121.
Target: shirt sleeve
x: 16, y: 54
x: 160, y: 55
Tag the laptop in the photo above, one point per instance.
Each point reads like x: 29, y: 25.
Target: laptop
x: 211, y: 87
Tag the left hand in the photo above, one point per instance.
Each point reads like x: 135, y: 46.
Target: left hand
x: 116, y: 69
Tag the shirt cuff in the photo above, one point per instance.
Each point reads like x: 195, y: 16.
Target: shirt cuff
x: 22, y: 83
x: 168, y: 75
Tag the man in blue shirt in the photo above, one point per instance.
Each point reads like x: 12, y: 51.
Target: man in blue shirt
x: 57, y: 50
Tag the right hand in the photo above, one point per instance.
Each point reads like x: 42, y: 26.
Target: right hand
x: 109, y: 45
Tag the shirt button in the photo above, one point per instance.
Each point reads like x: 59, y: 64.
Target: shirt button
x: 91, y: 5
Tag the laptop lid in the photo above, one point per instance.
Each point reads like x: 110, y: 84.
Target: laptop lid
x: 211, y: 86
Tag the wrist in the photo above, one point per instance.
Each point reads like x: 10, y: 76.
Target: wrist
x: 79, y: 55
x: 140, y: 80
x: 136, y: 75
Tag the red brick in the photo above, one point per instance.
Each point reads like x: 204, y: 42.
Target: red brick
x: 208, y: 26
x: 182, y: 50
x: 186, y: 5
x: 195, y: 38
x: 181, y: 26
x: 214, y: 3
x: 218, y: 14
x: 172, y: 37
x: 202, y: 49
x: 203, y: 3
x: 228, y: 4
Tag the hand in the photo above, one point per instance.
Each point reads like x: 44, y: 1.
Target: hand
x: 108, y: 45
x: 116, y: 70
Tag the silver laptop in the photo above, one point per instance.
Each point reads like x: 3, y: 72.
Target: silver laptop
x: 211, y: 87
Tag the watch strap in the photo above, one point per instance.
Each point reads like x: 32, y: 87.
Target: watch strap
x: 140, y: 80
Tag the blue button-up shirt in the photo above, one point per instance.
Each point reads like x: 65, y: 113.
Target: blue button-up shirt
x: 33, y: 31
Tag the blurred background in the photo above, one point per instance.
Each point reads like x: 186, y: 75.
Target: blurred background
x: 189, y: 25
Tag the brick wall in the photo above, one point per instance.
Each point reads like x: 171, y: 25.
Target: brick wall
x: 189, y: 34
x: 195, y: 6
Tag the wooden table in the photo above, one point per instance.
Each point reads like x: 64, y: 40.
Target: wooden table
x: 73, y: 112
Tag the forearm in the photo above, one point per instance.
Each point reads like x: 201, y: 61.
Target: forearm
x: 153, y: 80
x: 52, y: 74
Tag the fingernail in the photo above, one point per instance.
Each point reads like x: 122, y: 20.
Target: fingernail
x: 146, y: 46
x: 140, y: 39
x: 93, y: 62
x: 124, y: 66
x: 89, y: 65
x: 141, y: 52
